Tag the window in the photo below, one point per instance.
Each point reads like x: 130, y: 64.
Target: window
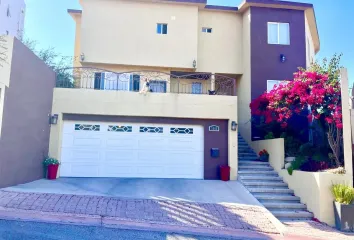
x: 207, y: 30
x: 196, y: 88
x: 134, y: 83
x: 271, y: 84
x: 161, y: 28
x: 157, y: 86
x: 278, y: 33
x: 99, y: 81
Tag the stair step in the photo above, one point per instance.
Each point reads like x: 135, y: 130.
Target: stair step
x: 258, y: 167
x: 248, y: 158
x: 264, y: 183
x: 270, y: 190
x: 256, y: 171
x: 241, y: 163
x: 275, y: 197
x: 261, y: 177
x: 292, y: 214
x: 243, y: 154
x: 285, y: 205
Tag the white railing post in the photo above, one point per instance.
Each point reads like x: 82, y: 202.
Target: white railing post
x: 212, y: 78
x: 346, y: 118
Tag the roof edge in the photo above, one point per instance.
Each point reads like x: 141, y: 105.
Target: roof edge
x: 74, y: 11
x: 222, y: 8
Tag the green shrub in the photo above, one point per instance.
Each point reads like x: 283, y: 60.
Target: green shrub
x: 269, y: 135
x: 291, y: 145
x: 290, y: 170
x: 307, y: 149
x: 50, y: 161
x: 342, y: 193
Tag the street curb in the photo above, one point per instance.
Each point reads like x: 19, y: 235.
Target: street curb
x: 206, y: 232
x: 111, y: 222
x: 36, y: 216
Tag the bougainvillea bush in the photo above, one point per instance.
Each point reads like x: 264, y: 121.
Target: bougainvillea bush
x: 308, y: 90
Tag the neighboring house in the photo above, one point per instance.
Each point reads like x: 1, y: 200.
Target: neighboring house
x: 26, y: 93
x: 12, y: 17
x: 204, y: 64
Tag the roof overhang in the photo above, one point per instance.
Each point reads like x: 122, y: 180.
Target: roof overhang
x: 306, y: 7
x: 74, y: 13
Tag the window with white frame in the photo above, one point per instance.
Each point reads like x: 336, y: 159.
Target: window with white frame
x: 272, y: 83
x: 161, y: 28
x: 278, y: 33
x: 207, y: 30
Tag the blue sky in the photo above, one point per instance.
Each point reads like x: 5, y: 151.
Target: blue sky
x: 48, y: 23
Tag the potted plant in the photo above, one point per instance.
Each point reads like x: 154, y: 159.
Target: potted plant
x: 263, y: 155
x: 51, y: 164
x: 343, y: 209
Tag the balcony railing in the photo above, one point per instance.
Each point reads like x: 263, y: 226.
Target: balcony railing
x: 182, y: 83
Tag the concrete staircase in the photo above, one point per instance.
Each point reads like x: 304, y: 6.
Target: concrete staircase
x: 266, y: 185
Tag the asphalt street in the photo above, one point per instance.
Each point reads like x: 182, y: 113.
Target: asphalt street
x: 16, y: 230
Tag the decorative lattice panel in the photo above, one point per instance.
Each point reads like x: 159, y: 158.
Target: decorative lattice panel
x: 87, y: 127
x: 113, y: 128
x: 151, y: 129
x: 181, y: 130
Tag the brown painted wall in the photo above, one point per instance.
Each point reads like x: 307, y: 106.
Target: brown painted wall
x: 25, y: 130
x: 211, y: 139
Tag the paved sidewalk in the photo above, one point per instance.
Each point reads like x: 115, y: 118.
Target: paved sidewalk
x: 183, y: 214
x: 207, y: 219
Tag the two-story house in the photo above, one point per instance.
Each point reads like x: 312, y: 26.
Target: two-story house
x: 160, y: 89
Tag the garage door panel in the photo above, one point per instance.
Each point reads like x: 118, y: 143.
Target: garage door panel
x: 122, y: 143
x: 85, y: 170
x: 86, y: 141
x: 114, y: 151
x: 188, y: 144
x: 120, y: 156
x: 152, y: 143
x: 83, y: 155
x: 150, y: 171
x: 117, y: 171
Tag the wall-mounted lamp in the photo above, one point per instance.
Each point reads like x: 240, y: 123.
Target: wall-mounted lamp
x: 233, y: 126
x: 194, y: 64
x: 82, y: 57
x: 282, y: 58
x: 53, y: 119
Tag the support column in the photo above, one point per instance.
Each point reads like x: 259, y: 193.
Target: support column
x: 346, y: 118
x: 212, y: 78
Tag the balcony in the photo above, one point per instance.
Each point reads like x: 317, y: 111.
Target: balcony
x: 147, y: 81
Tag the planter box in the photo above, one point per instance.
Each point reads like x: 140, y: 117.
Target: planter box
x: 289, y: 159
x: 344, y: 216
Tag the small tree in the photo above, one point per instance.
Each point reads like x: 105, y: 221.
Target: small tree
x: 318, y: 89
x: 55, y: 61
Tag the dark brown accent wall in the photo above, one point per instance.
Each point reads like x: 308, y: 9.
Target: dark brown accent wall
x: 265, y: 58
x: 211, y: 139
x: 25, y: 128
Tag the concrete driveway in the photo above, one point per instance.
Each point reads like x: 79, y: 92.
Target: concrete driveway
x: 204, y: 191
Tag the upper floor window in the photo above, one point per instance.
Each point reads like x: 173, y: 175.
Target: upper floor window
x: 207, y: 30
x: 161, y: 28
x: 272, y: 83
x: 278, y: 33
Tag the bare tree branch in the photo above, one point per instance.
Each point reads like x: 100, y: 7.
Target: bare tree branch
x: 3, y: 50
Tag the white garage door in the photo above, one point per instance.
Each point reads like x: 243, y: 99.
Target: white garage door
x: 96, y: 149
